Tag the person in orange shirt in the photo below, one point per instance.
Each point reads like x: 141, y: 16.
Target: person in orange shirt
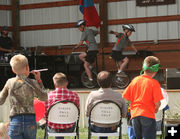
x: 144, y: 93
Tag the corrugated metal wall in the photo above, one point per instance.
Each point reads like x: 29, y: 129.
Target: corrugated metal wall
x: 5, y: 2
x: 5, y: 15
x: 50, y: 16
x: 38, y: 1
x: 116, y: 10
x: 146, y: 31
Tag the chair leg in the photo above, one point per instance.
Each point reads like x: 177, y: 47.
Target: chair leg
x: 89, y: 133
x: 45, y: 133
x: 162, y: 125
x: 120, y: 134
x: 77, y: 132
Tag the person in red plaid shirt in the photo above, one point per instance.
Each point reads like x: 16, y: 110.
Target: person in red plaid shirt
x: 61, y: 93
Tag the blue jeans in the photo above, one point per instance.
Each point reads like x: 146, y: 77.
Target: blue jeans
x: 131, y: 133
x: 23, y: 127
x: 69, y: 130
x: 102, y: 130
x: 144, y: 128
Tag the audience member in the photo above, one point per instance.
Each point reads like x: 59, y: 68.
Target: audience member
x: 105, y: 92
x: 59, y: 94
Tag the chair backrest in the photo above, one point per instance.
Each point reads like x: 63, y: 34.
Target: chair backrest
x: 105, y: 112
x: 63, y: 112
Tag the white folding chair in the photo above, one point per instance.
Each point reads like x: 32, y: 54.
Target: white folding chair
x: 105, y: 112
x: 63, y: 112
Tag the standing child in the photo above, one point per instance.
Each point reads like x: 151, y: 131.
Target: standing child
x: 144, y: 92
x: 21, y: 91
x: 120, y: 45
x: 88, y: 35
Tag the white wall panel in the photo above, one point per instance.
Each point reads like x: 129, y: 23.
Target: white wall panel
x: 172, y: 9
x: 131, y: 9
x: 151, y: 11
x: 117, y: 10
x: 50, y: 15
x: 162, y: 10
x: 173, y: 30
x: 178, y: 6
x: 141, y: 32
x: 112, y: 11
x: 76, y: 14
x: 5, y: 2
x: 35, y: 16
x: 5, y: 18
x: 152, y: 31
x: 163, y: 30
x: 51, y: 37
x: 128, y: 9
x: 38, y: 1
x: 141, y: 12
x: 121, y: 10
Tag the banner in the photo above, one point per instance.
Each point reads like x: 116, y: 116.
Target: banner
x: 89, y: 13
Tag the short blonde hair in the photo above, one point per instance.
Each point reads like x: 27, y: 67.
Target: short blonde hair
x: 18, y: 63
x: 60, y: 79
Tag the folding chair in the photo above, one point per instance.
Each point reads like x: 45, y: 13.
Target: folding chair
x: 63, y: 112
x: 105, y: 112
x: 161, y: 115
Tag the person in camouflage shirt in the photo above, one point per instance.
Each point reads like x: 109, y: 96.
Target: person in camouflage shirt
x: 21, y: 91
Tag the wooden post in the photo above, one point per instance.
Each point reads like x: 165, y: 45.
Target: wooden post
x: 103, y: 28
x: 15, y: 23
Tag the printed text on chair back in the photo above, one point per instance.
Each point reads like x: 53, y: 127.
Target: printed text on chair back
x: 106, y: 113
x: 63, y: 113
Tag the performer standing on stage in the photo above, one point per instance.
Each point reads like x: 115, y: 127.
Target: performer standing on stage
x: 5, y: 41
x: 122, y: 42
x: 88, y: 35
x: 145, y: 94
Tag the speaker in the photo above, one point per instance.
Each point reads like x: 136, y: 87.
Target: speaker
x: 173, y: 78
